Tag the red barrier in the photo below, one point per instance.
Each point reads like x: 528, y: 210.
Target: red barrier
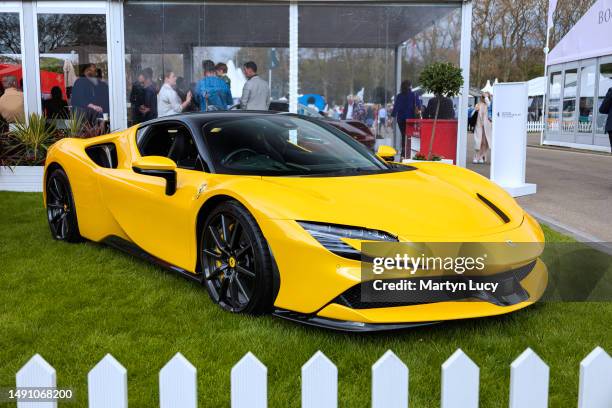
x: 445, y: 143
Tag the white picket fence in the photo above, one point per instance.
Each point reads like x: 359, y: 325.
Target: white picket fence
x: 535, y: 127
x: 529, y: 378
x: 565, y: 126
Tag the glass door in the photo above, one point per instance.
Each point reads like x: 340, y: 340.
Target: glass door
x: 73, y: 64
x: 12, y: 107
x: 569, y: 105
x: 553, y: 113
x: 586, y: 102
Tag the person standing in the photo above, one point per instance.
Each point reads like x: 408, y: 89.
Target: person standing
x: 445, y: 112
x: 168, y: 100
x: 137, y: 98
x: 221, y: 69
x: 256, y: 92
x: 370, y: 116
x: 148, y: 109
x: 56, y: 107
x: 347, y: 112
x: 482, y: 132
x: 212, y: 93
x: 84, y: 99
x: 382, y: 119
x: 405, y: 107
x: 359, y: 110
x: 11, y: 102
x: 606, y: 109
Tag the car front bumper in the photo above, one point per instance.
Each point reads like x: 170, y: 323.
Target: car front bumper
x: 343, y: 318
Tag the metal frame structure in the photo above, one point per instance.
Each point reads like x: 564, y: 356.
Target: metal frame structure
x: 576, y: 138
x: 113, y: 12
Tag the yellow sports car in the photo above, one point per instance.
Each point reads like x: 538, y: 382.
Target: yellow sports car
x: 269, y: 212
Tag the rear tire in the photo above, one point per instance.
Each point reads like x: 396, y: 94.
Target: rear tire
x: 61, y: 211
x: 236, y: 261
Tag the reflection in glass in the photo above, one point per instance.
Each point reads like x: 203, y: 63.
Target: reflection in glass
x: 162, y: 37
x: 11, y: 84
x: 569, y: 100
x: 347, y: 53
x: 74, y: 67
x: 605, y: 83
x: 587, y: 96
x: 554, y: 100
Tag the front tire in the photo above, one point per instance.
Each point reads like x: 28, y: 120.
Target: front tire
x: 236, y: 260
x: 61, y: 211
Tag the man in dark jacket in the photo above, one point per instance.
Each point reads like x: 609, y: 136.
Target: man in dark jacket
x: 137, y: 96
x: 606, y: 109
x: 447, y: 111
x: 407, y: 105
x: 149, y: 105
x: 85, y: 98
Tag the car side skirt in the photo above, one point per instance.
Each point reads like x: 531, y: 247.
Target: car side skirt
x: 134, y: 250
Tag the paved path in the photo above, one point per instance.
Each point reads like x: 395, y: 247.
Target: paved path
x: 574, y: 190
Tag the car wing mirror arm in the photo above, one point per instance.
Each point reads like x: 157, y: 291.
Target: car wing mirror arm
x: 155, y: 166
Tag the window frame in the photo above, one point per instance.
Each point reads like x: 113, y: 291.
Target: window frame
x: 16, y: 7
x: 145, y: 128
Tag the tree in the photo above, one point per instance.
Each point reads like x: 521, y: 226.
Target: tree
x: 443, y: 79
x: 508, y: 36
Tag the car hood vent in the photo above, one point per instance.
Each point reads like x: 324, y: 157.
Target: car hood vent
x: 495, y: 208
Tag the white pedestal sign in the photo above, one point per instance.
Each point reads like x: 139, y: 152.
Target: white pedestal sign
x: 509, y: 144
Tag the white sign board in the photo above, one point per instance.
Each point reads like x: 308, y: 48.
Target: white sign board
x: 509, y: 144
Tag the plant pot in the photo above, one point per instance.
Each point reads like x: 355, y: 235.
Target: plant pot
x: 22, y: 178
x: 445, y: 143
x: 445, y: 161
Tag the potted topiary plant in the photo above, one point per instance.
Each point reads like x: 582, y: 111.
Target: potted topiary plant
x: 23, y: 153
x: 442, y: 79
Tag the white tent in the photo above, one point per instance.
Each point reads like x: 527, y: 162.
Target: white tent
x: 589, y: 38
x: 537, y: 86
x: 488, y: 88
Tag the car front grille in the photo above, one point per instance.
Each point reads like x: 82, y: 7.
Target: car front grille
x: 509, y: 292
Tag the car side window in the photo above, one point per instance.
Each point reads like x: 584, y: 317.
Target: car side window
x: 171, y: 140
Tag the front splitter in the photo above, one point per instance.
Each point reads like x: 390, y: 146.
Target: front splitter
x: 345, y: 326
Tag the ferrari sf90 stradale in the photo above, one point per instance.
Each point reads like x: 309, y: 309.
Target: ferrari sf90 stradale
x: 269, y: 212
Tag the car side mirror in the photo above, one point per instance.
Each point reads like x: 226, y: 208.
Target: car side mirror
x: 387, y: 153
x: 158, y: 166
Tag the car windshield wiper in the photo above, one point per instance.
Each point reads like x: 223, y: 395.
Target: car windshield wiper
x: 297, y: 166
x: 350, y: 170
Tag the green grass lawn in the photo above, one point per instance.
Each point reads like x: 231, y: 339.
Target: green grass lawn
x: 75, y: 303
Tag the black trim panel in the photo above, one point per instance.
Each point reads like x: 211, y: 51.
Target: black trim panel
x: 344, y: 326
x: 134, y: 250
x: 510, y: 291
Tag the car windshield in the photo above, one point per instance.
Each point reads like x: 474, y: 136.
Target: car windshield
x: 284, y: 145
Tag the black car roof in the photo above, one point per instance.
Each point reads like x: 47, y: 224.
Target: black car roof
x: 198, y: 119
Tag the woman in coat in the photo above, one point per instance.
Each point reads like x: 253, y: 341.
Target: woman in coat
x: 482, y: 132
x: 606, y: 109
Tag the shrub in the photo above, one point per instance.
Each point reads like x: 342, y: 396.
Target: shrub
x: 28, y: 141
x: 442, y: 79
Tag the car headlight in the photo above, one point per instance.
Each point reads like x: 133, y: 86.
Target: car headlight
x: 330, y: 236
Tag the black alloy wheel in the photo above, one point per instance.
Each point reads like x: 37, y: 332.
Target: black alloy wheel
x: 236, y: 261
x: 61, y: 212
